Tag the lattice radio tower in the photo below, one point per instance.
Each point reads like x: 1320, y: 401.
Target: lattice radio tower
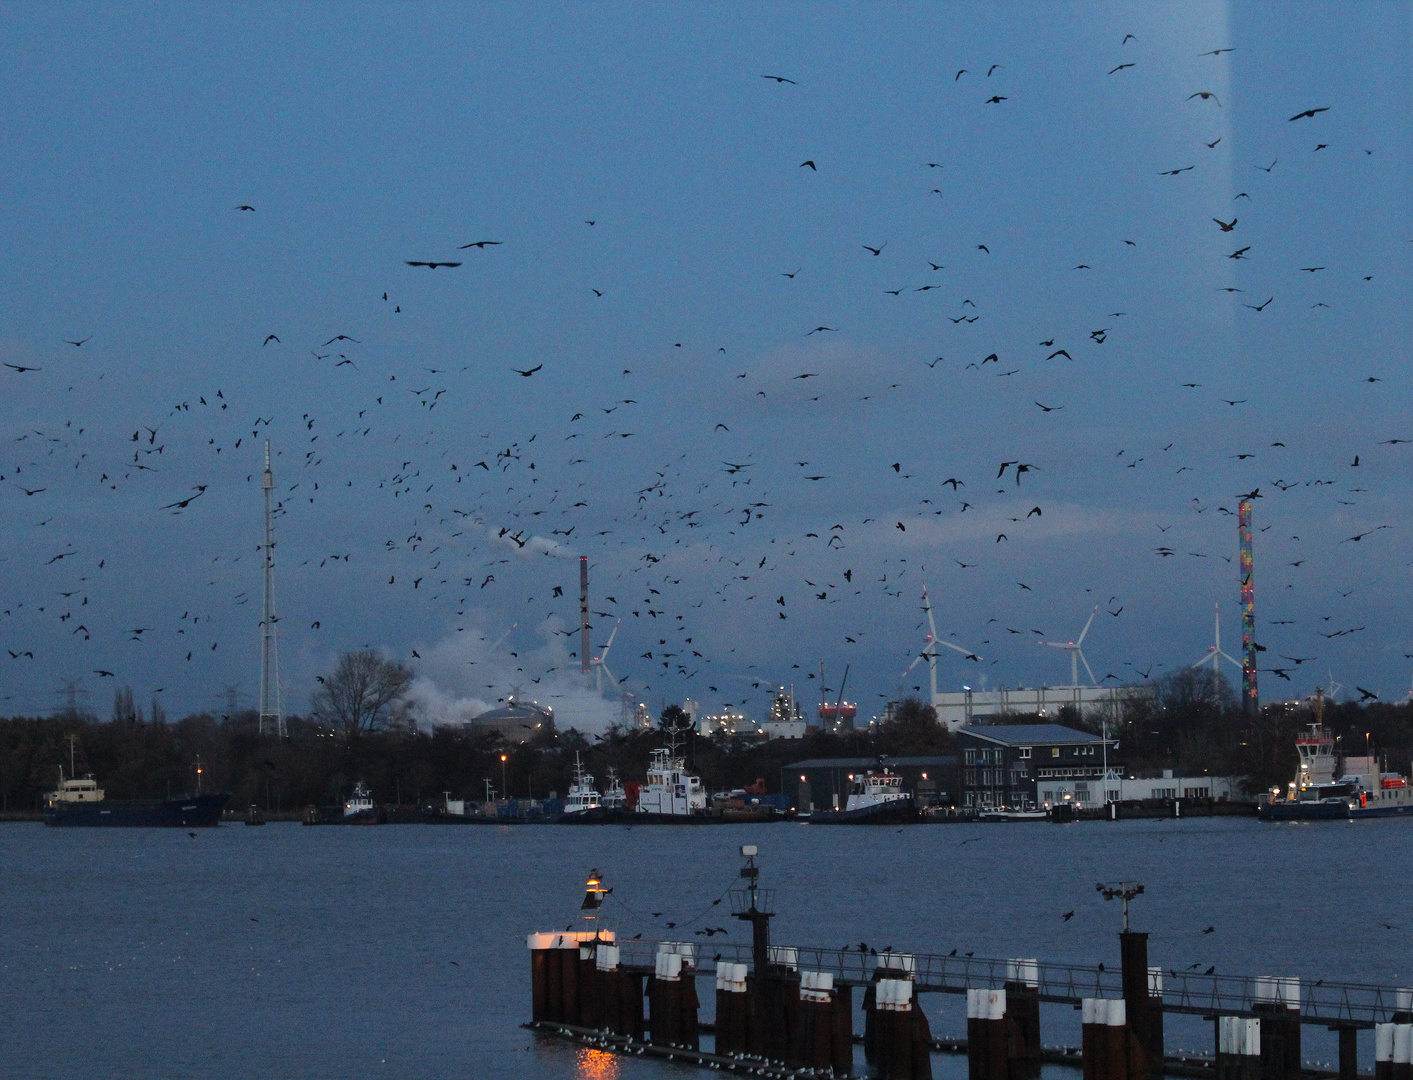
x: 270, y: 711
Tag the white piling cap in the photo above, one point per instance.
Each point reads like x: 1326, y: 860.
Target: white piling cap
x: 538, y: 942
x: 1405, y: 999
x: 668, y: 967
x: 607, y: 959
x: 1383, y: 1042
x: 1117, y: 1012
x: 1402, y: 1044
x: 894, y: 995
x: 1087, y: 1009
x: 731, y: 977
x: 686, y: 950
x: 897, y: 962
x: 995, y: 1004
x: 1025, y: 972
x: 785, y: 956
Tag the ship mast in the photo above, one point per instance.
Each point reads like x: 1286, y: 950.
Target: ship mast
x: 270, y: 711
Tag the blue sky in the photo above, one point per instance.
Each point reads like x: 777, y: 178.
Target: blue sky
x: 365, y: 136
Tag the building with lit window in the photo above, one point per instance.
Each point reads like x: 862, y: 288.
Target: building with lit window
x: 1035, y: 766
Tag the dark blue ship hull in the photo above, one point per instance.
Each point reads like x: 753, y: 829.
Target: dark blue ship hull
x: 183, y: 812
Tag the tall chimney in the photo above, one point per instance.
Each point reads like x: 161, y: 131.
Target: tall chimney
x: 584, y: 614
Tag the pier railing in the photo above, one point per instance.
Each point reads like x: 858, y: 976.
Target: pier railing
x: 1195, y: 993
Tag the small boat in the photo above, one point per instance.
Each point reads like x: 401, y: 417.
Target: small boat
x: 360, y: 810
x: 876, y: 798
x: 1329, y: 786
x: 1003, y: 814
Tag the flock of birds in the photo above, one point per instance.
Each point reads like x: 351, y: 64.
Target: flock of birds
x: 486, y: 524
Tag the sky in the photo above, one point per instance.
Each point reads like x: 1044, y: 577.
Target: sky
x: 770, y: 402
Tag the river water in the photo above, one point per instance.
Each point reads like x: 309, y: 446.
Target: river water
x: 399, y: 951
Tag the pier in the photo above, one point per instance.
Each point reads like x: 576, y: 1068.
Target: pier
x: 789, y: 1010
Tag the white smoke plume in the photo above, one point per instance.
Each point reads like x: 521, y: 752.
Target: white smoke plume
x: 470, y: 672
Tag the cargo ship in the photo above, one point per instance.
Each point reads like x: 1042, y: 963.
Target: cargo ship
x: 1330, y: 786
x: 83, y: 802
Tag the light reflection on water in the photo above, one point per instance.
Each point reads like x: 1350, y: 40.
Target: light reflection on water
x: 400, y: 951
x: 592, y: 1064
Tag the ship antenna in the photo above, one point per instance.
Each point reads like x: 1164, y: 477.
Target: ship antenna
x: 269, y: 641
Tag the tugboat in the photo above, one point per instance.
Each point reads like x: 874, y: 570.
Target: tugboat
x: 1328, y: 786
x: 582, y: 796
x: 83, y: 802
x: 670, y: 793
x: 359, y: 808
x: 615, y: 798
x: 875, y: 798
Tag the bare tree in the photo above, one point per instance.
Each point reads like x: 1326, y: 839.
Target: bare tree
x: 364, y: 691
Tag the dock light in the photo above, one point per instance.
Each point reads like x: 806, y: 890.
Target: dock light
x: 593, y: 893
x: 748, y: 851
x: 802, y: 778
x: 924, y: 776
x: 504, y: 791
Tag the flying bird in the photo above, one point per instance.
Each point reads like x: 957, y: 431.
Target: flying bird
x: 1310, y: 112
x: 527, y: 374
x: 781, y: 79
x: 1227, y: 226
x: 430, y: 265
x: 482, y: 244
x: 1204, y: 95
x: 19, y: 367
x: 1120, y: 68
x: 810, y: 164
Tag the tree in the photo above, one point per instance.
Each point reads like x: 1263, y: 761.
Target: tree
x: 674, y: 718
x: 363, y: 691
x: 914, y: 729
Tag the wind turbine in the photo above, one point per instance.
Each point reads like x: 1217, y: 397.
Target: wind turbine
x: 1076, y: 652
x: 1336, y: 687
x: 1215, y: 656
x: 600, y: 663
x: 929, y: 650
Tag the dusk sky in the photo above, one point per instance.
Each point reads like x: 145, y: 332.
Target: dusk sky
x: 740, y: 413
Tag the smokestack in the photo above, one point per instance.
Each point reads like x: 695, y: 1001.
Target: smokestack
x: 1250, y: 701
x: 584, y: 614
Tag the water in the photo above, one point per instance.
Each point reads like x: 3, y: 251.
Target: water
x: 400, y: 951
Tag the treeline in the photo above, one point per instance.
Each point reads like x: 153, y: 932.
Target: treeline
x: 318, y: 764
x: 1192, y: 724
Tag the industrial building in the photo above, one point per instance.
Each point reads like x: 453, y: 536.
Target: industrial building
x: 516, y: 722
x: 1032, y: 766
x: 955, y: 710
x: 823, y: 783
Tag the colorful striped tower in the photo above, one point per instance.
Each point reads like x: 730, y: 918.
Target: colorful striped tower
x: 1250, y: 701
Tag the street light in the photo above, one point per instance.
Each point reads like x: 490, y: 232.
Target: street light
x: 505, y: 793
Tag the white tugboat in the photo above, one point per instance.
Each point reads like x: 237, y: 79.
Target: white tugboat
x: 359, y: 808
x: 670, y: 791
x: 875, y: 798
x: 1329, y: 785
x: 582, y: 796
x: 614, y: 797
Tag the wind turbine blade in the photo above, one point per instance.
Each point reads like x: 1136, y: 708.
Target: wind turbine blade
x: 1208, y: 659
x: 1080, y: 653
x: 1080, y: 640
x: 1224, y: 656
x: 604, y: 655
x: 919, y: 658
x: 965, y: 652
